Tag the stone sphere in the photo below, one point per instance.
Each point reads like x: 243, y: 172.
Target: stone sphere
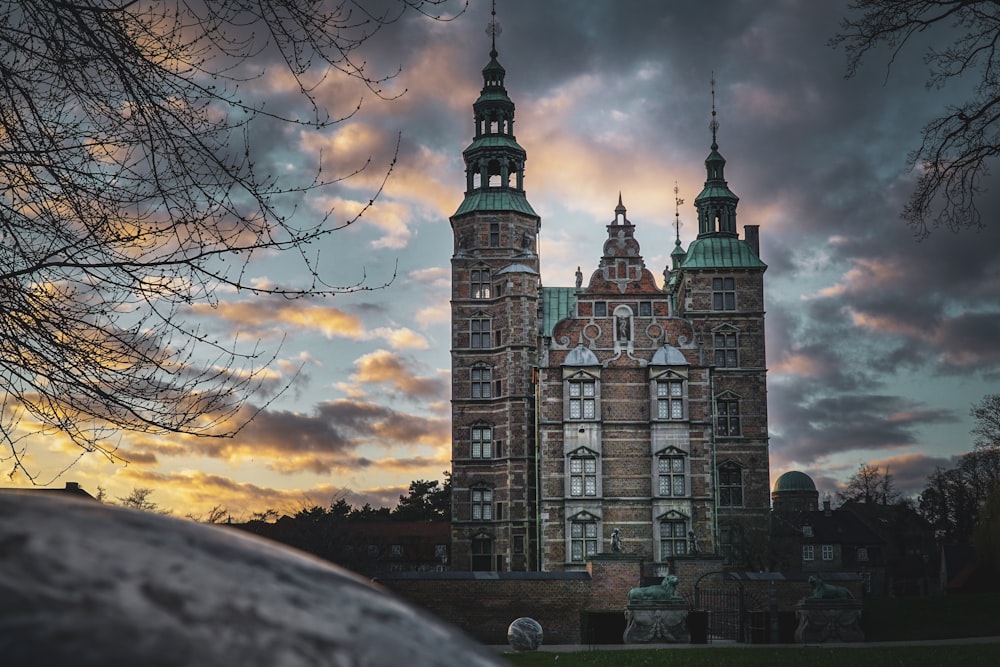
x: 524, y: 634
x: 87, y: 584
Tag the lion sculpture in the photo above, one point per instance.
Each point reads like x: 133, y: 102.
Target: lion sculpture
x: 665, y: 590
x: 824, y: 591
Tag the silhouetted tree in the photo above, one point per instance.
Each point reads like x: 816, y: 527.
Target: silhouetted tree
x: 426, y: 501
x: 131, y: 188
x: 987, y: 427
x: 139, y: 499
x: 870, y: 485
x: 957, y: 147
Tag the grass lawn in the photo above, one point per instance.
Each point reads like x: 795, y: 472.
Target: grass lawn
x: 964, y: 655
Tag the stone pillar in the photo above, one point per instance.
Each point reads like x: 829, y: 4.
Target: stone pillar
x: 822, y: 621
x: 613, y: 575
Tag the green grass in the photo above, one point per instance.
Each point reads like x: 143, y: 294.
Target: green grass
x: 965, y: 655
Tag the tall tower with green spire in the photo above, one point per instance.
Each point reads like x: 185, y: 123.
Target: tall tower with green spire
x: 719, y: 288
x: 494, y: 310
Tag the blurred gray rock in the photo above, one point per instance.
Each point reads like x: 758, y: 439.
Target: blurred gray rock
x: 88, y: 584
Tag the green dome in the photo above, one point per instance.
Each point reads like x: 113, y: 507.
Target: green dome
x: 794, y: 481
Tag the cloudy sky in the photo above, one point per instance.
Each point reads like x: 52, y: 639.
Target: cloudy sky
x: 877, y: 344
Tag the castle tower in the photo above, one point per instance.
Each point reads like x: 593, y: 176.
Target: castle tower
x: 719, y: 288
x: 494, y: 311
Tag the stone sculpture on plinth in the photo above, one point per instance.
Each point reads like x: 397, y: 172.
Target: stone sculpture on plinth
x: 656, y: 614
x: 829, y: 614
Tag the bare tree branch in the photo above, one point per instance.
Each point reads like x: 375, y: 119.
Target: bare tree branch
x: 130, y: 190
x: 953, y: 159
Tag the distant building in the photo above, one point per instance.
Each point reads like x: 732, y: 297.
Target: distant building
x: 614, y: 403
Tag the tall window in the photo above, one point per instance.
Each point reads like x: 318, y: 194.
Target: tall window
x: 583, y: 399
x: 730, y: 485
x: 723, y: 294
x: 480, y: 329
x: 827, y: 552
x: 670, y: 471
x: 480, y: 284
x: 482, y: 505
x: 583, y: 476
x: 727, y: 416
x: 482, y: 553
x: 494, y: 233
x: 673, y: 538
x: 583, y: 540
x: 726, y: 350
x: 482, y: 382
x: 670, y: 399
x: 808, y: 552
x: 482, y: 440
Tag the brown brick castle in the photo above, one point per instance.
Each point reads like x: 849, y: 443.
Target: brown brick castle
x: 617, y: 403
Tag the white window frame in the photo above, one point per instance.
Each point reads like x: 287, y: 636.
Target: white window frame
x: 808, y: 552
x: 828, y: 552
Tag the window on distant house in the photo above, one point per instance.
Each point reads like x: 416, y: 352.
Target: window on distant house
x: 862, y: 554
x: 808, y: 552
x: 827, y: 552
x: 723, y: 294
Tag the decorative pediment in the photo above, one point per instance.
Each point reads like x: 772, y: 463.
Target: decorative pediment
x: 583, y: 452
x: 584, y: 516
x: 671, y: 451
x: 725, y: 328
x: 580, y: 375
x: 728, y: 396
x: 668, y: 374
x: 673, y: 515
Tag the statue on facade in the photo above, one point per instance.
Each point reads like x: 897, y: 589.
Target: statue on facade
x: 579, y: 278
x: 616, y: 542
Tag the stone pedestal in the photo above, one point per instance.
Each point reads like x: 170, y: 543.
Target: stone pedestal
x: 823, y: 621
x: 660, y: 622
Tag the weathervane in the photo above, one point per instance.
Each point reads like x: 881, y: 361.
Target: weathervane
x: 714, y: 125
x: 493, y: 27
x: 677, y: 211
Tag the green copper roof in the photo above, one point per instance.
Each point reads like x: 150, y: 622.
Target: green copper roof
x: 794, y: 480
x: 557, y: 304
x: 714, y: 191
x: 500, y: 200
x: 494, y: 141
x: 710, y: 252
